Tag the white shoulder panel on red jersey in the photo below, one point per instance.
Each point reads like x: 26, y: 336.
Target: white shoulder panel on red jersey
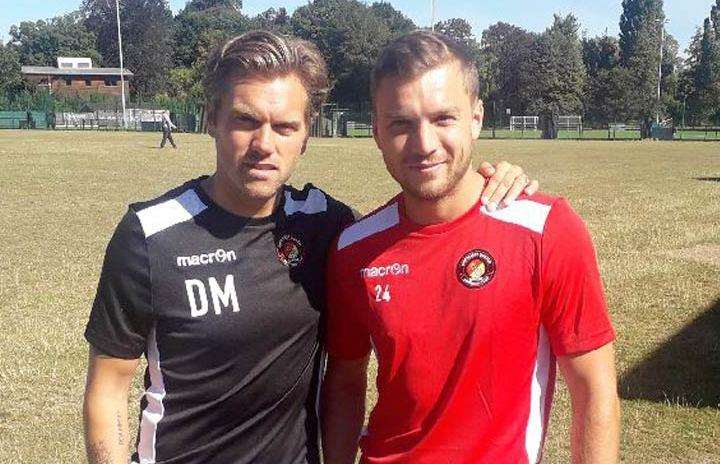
x: 384, y: 219
x: 182, y: 208
x: 526, y: 213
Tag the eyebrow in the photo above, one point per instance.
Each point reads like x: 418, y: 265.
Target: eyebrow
x: 295, y: 124
x: 449, y: 109
x: 395, y: 115
x: 399, y: 115
x: 243, y: 110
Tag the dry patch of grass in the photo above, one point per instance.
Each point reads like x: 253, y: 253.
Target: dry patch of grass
x: 707, y: 254
x: 61, y: 194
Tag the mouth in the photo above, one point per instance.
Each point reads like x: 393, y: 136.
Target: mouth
x: 260, y: 166
x: 261, y: 171
x: 425, y: 166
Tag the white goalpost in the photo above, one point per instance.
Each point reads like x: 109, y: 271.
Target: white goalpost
x: 524, y: 123
x: 570, y: 123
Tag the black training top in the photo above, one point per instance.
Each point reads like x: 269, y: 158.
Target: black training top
x: 226, y: 310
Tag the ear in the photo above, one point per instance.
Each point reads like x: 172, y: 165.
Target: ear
x: 304, y: 145
x: 210, y: 122
x: 478, y: 113
x: 373, y: 124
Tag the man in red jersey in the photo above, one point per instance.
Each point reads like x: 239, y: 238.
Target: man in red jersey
x: 467, y: 309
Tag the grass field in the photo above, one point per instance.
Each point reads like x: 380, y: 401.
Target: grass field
x: 599, y: 134
x: 652, y: 207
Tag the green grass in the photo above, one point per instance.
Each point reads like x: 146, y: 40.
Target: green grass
x: 697, y: 135
x: 600, y: 134
x: 510, y: 134
x: 61, y: 194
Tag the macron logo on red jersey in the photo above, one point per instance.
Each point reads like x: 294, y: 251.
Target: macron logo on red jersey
x: 394, y: 269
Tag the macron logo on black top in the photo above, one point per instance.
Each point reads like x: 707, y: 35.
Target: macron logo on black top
x: 217, y: 256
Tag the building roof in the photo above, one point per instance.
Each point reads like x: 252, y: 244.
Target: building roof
x: 52, y: 71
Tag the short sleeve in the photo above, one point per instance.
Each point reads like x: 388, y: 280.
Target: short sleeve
x: 347, y: 334
x: 574, y: 311
x: 121, y: 313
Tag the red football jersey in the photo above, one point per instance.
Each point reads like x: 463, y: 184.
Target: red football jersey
x: 466, y: 319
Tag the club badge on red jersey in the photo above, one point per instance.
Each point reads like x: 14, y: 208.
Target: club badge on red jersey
x: 476, y: 268
x: 290, y: 251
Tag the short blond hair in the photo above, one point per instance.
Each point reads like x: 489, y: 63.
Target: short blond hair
x: 417, y: 52
x: 265, y: 54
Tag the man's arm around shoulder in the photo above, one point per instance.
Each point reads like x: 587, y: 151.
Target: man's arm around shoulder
x: 105, y: 407
x: 592, y: 383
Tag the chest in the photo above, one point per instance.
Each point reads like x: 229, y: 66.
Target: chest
x: 261, y: 287
x: 440, y: 289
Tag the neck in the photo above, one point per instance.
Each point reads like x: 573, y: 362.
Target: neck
x: 448, y: 207
x: 233, y: 200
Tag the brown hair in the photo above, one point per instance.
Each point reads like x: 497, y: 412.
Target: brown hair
x: 266, y: 55
x: 416, y: 53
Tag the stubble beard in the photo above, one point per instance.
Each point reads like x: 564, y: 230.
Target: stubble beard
x: 238, y: 189
x: 433, y: 191
x: 241, y: 186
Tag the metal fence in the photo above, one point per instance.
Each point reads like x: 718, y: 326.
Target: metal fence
x: 611, y: 132
x: 336, y: 121
x: 333, y: 121
x: 135, y: 120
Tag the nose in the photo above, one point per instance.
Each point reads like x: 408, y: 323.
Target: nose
x: 262, y: 142
x: 426, y: 139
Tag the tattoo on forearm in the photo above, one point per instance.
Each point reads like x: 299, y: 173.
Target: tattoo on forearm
x: 121, y: 437
x: 98, y: 453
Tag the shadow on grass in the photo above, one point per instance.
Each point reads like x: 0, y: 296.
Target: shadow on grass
x: 708, y: 179
x: 685, y: 370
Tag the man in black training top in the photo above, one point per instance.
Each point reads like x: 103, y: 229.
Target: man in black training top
x: 219, y: 282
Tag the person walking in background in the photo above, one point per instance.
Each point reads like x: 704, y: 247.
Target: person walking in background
x: 167, y: 128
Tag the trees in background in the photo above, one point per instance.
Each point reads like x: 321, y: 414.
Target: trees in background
x: 395, y: 20
x: 350, y: 35
x: 641, y: 25
x: 606, y: 79
x: 553, y: 76
x: 460, y: 30
x: 203, y: 23
x: 534, y: 74
x: 603, y: 99
x: 273, y: 20
x: 39, y: 43
x: 147, y: 39
x: 504, y: 49
x: 700, y: 81
x: 197, y: 28
x: 11, y: 81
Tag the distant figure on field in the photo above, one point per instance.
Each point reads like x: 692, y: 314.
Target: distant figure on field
x: 167, y: 127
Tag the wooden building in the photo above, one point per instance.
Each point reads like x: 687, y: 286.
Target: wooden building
x: 77, y: 76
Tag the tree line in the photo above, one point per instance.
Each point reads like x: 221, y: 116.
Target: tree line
x: 555, y: 72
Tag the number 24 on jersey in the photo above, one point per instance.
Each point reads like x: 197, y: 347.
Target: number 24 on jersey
x: 382, y: 293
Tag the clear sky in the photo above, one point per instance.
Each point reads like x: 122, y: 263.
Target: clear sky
x: 596, y: 16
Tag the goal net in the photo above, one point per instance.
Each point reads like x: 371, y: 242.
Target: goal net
x: 570, y: 123
x: 524, y: 123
